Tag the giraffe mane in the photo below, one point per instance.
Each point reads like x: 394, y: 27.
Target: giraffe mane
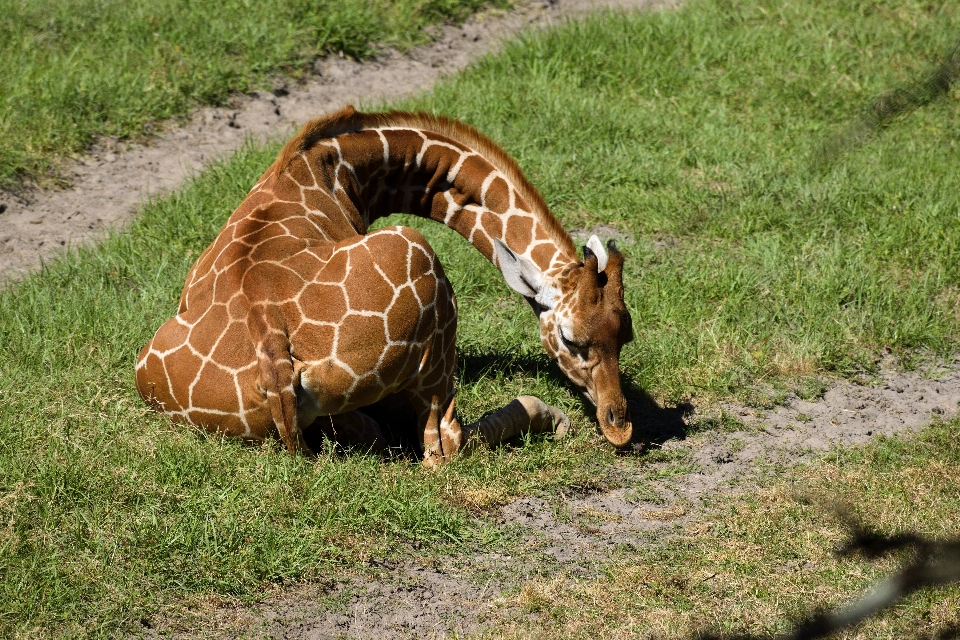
x: 348, y: 120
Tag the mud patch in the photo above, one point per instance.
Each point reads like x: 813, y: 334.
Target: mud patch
x: 735, y: 450
x: 388, y: 601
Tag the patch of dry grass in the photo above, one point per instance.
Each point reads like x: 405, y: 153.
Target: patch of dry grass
x: 760, y: 559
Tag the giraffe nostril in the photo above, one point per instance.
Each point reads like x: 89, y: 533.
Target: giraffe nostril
x: 610, y: 417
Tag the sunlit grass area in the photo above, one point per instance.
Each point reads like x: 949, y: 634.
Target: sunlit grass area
x: 690, y: 134
x: 695, y: 134
x: 763, y: 560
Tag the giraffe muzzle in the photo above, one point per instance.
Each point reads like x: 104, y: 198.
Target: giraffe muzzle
x: 614, y: 419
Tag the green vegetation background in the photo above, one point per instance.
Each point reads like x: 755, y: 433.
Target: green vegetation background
x: 691, y: 131
x: 76, y: 68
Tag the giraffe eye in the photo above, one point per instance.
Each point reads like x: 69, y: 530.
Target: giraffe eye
x: 568, y: 343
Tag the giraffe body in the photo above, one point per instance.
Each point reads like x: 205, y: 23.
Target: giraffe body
x: 296, y: 315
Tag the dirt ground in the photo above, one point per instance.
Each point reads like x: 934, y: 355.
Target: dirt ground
x: 456, y: 596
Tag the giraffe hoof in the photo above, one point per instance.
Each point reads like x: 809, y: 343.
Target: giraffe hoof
x: 561, y: 424
x: 432, y: 459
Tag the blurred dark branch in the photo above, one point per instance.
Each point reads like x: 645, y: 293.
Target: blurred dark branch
x: 933, y: 563
x: 890, y: 105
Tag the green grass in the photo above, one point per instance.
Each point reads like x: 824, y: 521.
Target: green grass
x: 761, y: 560
x: 695, y: 131
x: 84, y: 67
x: 692, y: 131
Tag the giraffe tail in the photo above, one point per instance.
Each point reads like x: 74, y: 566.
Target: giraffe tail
x: 277, y: 379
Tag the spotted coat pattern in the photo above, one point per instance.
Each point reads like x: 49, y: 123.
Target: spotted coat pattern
x: 296, y: 313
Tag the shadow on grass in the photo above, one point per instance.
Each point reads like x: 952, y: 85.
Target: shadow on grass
x: 930, y: 563
x: 882, y: 111
x: 653, y: 424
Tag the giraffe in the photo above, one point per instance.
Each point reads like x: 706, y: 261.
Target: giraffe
x: 296, y: 317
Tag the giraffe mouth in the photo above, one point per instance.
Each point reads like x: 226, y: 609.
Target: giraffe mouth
x: 613, y: 420
x: 589, y: 396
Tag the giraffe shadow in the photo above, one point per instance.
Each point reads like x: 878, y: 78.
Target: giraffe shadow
x: 653, y: 424
x: 397, y: 420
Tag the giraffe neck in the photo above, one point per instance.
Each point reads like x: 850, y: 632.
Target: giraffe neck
x: 378, y: 164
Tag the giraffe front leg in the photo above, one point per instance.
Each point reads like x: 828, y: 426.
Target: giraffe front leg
x: 442, y: 437
x: 525, y: 414
x: 277, y: 377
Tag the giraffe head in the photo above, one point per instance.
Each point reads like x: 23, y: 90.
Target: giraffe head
x: 583, y: 324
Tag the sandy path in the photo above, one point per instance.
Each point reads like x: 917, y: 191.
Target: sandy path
x: 109, y: 184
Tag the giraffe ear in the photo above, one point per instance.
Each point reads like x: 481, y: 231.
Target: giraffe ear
x: 596, y: 246
x: 521, y: 275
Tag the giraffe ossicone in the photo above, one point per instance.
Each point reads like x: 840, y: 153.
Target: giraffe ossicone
x: 596, y: 247
x: 297, y: 318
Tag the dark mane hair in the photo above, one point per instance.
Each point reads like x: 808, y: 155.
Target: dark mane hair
x: 348, y: 120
